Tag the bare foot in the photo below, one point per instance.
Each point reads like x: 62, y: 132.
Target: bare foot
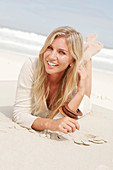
x: 92, y: 50
x: 89, y: 39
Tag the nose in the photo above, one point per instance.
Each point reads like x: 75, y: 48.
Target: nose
x: 53, y: 55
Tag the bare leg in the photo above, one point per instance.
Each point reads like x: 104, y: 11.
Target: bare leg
x: 92, y: 50
x: 92, y: 47
x: 90, y: 38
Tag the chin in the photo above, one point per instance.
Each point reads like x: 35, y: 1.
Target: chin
x: 50, y: 72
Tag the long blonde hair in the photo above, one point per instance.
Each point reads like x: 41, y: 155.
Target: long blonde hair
x: 40, y: 89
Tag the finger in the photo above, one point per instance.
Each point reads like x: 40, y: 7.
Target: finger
x: 68, y: 128
x: 75, y: 123
x: 82, y: 73
x: 72, y: 125
x: 77, y: 126
x: 64, y: 130
x: 81, y: 68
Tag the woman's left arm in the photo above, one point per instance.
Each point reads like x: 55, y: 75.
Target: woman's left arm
x: 88, y: 68
x: 81, y: 89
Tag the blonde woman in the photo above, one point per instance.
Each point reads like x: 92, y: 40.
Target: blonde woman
x: 62, y: 73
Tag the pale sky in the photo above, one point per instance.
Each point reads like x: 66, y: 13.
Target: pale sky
x: 42, y: 16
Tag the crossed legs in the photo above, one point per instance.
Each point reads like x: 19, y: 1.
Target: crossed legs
x: 91, y: 48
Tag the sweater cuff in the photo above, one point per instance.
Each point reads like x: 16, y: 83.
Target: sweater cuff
x: 85, y: 106
x: 25, y: 120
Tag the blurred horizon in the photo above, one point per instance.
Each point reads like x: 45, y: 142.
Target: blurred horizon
x: 30, y: 44
x: 41, y: 16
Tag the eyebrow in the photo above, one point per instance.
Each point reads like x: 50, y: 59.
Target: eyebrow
x: 60, y: 48
x: 63, y: 49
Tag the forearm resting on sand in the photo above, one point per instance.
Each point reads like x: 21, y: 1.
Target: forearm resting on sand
x: 41, y: 124
x: 65, y: 124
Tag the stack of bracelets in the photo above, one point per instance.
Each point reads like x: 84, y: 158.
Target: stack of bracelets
x: 66, y: 111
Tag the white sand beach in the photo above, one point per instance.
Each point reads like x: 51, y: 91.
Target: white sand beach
x: 87, y: 149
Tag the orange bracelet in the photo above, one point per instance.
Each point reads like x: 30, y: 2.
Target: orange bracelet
x: 69, y: 114
x: 63, y: 110
x: 78, y: 113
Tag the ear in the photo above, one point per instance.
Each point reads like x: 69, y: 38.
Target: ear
x: 72, y: 63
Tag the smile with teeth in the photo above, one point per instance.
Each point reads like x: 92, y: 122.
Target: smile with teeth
x: 51, y: 64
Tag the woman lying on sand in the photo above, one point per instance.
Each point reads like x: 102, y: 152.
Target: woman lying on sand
x: 54, y: 90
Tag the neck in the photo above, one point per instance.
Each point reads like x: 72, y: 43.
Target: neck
x: 54, y: 79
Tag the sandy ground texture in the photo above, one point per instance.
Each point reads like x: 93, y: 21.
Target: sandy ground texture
x: 102, y: 89
x: 87, y: 149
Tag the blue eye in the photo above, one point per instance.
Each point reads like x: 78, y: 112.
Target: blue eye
x: 49, y: 47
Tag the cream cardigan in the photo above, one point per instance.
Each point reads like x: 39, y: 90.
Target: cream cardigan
x: 22, y: 106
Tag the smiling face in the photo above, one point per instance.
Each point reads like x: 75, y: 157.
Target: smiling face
x: 57, y: 57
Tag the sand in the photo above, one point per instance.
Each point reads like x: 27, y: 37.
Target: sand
x: 87, y: 149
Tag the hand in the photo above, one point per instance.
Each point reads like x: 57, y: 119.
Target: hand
x: 82, y: 79
x: 65, y: 125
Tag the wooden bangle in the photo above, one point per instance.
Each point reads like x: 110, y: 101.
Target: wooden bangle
x: 69, y: 114
x: 77, y: 113
x: 61, y: 111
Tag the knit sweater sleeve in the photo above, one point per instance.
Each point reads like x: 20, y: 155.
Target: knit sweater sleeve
x: 22, y: 107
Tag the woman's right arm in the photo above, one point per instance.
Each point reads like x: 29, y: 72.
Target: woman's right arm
x: 22, y: 107
x: 65, y: 124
